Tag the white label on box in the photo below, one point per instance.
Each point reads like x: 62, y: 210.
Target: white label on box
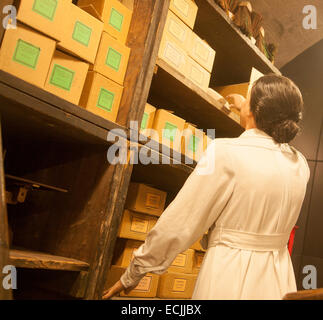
x: 182, y: 6
x: 152, y: 200
x: 202, y: 50
x: 177, y: 30
x: 196, y: 75
x: 139, y: 225
x: 180, y: 260
x: 179, y: 285
x: 144, y: 284
x: 173, y: 55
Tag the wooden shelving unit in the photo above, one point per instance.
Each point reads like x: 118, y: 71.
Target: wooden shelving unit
x: 69, y: 237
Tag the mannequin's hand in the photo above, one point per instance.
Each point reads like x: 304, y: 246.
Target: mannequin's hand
x: 236, y: 100
x: 115, y: 289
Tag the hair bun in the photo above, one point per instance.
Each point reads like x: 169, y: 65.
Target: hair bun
x: 285, y: 131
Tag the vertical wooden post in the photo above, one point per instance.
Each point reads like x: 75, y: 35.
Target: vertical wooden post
x: 4, y: 235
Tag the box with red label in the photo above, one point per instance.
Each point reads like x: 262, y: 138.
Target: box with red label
x: 145, y: 199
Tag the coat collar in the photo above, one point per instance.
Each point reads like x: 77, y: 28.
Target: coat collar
x: 255, y: 133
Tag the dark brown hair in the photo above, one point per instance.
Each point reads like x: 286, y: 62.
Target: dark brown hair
x: 277, y: 105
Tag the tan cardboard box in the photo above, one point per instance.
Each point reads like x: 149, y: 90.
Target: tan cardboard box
x: 101, y: 96
x: 197, y: 246
x: 147, y: 120
x: 145, y: 199
x: 124, y: 251
x: 186, y: 10
x: 115, y: 15
x: 183, y: 263
x: 197, y: 74
x: 66, y: 77
x: 82, y: 35
x: 241, y: 88
x: 147, y: 287
x: 176, y: 286
x: 201, y: 52
x: 192, y: 142
x: 47, y: 16
x: 26, y: 54
x: 168, y: 129
x: 197, y: 261
x: 179, y: 30
x: 112, y: 59
x: 172, y: 53
x: 136, y: 226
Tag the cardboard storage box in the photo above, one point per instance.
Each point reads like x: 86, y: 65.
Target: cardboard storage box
x: 66, y: 77
x: 82, y: 35
x: 241, y: 88
x: 136, y: 226
x: 183, y: 263
x: 124, y: 251
x: 172, y: 53
x: 197, y: 246
x: 47, y: 16
x: 197, y: 261
x: 145, y: 199
x: 147, y: 120
x: 179, y: 30
x: 168, y: 129
x: 26, y: 54
x: 147, y: 287
x: 186, y: 10
x: 197, y: 74
x: 115, y: 15
x: 192, y: 142
x: 101, y: 96
x: 112, y: 59
x: 176, y: 286
x: 201, y: 52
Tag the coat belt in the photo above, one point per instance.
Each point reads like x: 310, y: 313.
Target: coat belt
x: 247, y: 240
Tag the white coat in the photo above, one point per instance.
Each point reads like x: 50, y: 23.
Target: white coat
x: 249, y: 202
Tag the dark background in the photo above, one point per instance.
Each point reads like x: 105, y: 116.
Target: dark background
x: 307, y: 72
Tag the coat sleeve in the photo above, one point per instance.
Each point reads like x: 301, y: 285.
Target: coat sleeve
x: 196, y: 207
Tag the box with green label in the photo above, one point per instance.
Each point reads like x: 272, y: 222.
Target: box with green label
x: 66, y: 77
x: 112, y: 59
x: 147, y: 120
x: 101, y: 96
x: 192, y: 142
x: 26, y: 54
x: 47, y: 16
x: 168, y: 129
x: 115, y: 15
x: 82, y: 34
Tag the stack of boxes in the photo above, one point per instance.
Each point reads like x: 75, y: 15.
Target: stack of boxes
x: 182, y: 48
x: 144, y: 205
x: 56, y: 43
x: 174, y: 132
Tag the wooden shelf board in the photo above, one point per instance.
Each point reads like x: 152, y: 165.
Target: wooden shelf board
x: 34, y: 184
x: 235, y: 53
x: 171, y: 90
x: 37, y: 260
x: 23, y: 105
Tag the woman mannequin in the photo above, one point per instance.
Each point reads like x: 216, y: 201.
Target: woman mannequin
x: 249, y: 202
